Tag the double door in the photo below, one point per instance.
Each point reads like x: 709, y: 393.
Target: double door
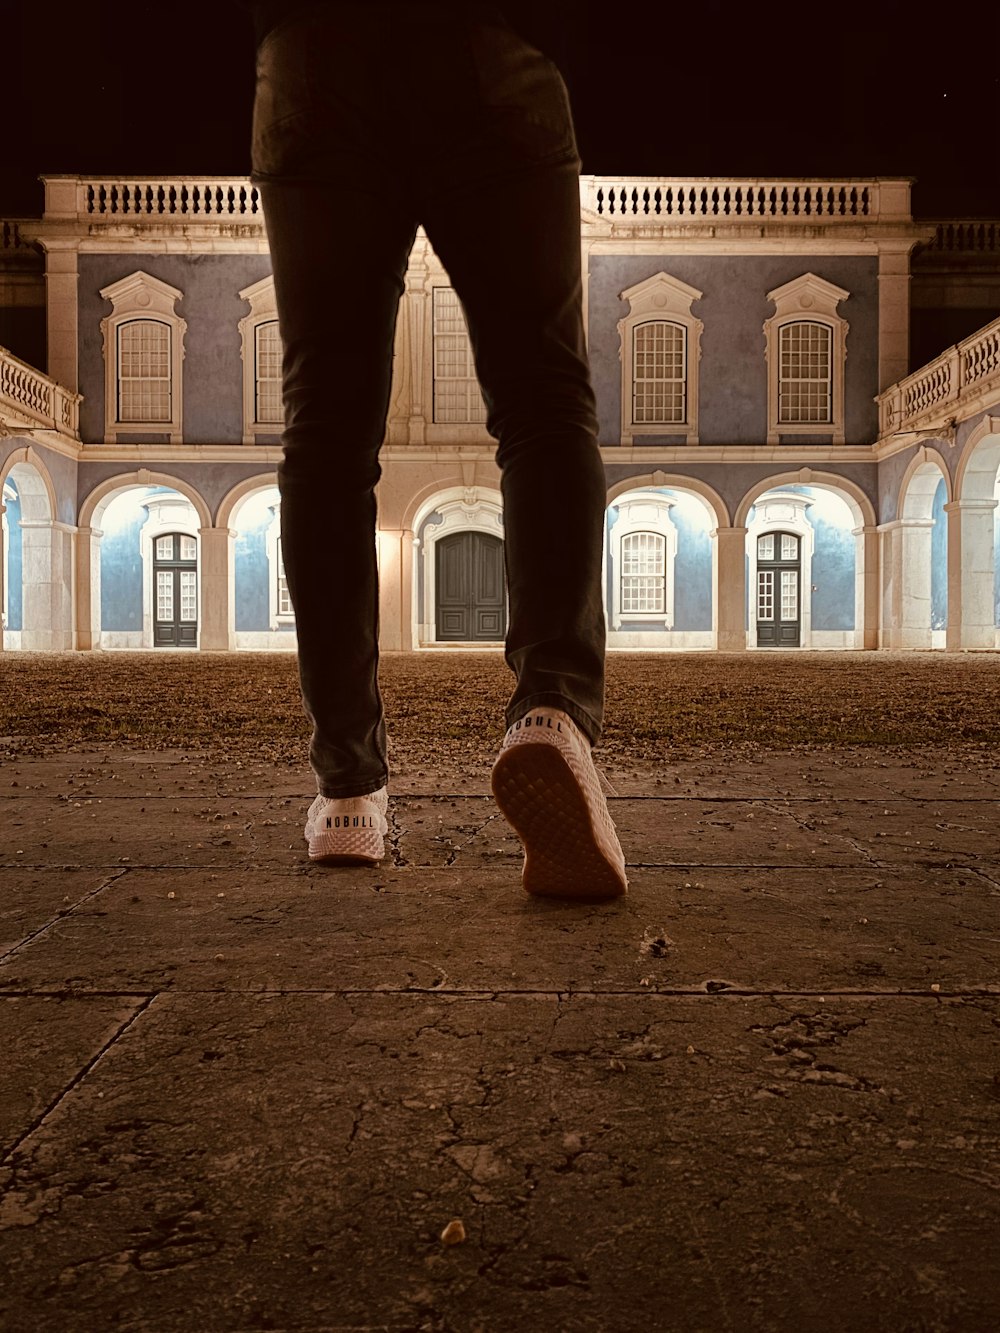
x: 779, y: 590
x: 175, y: 591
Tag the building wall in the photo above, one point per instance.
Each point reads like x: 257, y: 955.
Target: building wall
x: 211, y: 305
x: 733, y: 372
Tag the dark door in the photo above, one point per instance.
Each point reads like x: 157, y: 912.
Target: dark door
x: 471, y: 589
x: 175, y: 591
x: 779, y: 597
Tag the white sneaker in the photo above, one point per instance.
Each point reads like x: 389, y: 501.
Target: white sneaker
x: 348, y: 831
x: 545, y: 782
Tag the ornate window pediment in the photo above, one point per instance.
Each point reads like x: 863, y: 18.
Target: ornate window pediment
x: 660, y: 352
x: 806, y: 352
x: 143, y: 357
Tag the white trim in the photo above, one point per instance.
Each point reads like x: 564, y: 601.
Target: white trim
x: 783, y: 511
x: 136, y: 298
x: 263, y: 310
x: 462, y: 509
x: 642, y: 511
x: 806, y: 299
x: 660, y: 299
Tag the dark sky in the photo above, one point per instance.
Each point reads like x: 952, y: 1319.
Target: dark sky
x: 708, y: 89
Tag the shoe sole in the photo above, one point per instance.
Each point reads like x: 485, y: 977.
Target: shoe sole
x: 361, y: 847
x: 565, y: 855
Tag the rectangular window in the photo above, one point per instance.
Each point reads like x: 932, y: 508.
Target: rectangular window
x: 659, y: 374
x: 268, y: 407
x: 144, y: 371
x: 189, y: 548
x: 457, y: 396
x: 164, y: 548
x: 805, y: 391
x: 789, y: 546
x: 765, y: 547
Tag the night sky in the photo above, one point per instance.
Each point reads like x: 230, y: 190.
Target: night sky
x: 712, y: 89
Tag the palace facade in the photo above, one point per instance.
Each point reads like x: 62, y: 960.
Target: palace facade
x: 780, y: 472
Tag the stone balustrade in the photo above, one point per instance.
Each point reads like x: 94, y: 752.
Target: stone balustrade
x: 929, y: 398
x: 658, y: 201
x: 963, y: 237
x: 30, y: 400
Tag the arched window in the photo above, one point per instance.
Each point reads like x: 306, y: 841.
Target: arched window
x: 805, y: 372
x: 268, y: 409
x: 143, y: 357
x: 643, y: 574
x: 262, y: 353
x: 660, y: 351
x: 144, y: 379
x: 659, y: 380
x: 806, y: 351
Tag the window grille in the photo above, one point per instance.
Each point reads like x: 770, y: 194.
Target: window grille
x: 789, y: 546
x: 805, y: 381
x: 643, y: 577
x: 765, y: 594
x: 268, y: 407
x: 765, y: 547
x: 164, y: 595
x: 659, y: 374
x: 144, y: 371
x: 457, y: 395
x: 189, y: 548
x: 789, y: 594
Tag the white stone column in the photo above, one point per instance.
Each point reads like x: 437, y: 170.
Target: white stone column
x: 415, y: 308
x: 217, y: 582
x: 729, y: 610
x: 88, y: 588
x: 866, y: 587
x: 62, y: 315
x: 893, y: 315
x: 971, y: 614
x: 891, y: 568
x: 47, y: 564
x: 906, y: 583
x: 395, y: 633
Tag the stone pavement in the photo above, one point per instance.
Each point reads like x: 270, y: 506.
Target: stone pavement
x: 760, y: 1093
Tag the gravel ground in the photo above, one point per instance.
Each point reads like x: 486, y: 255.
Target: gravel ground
x: 449, y: 706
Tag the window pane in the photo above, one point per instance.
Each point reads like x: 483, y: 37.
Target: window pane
x: 189, y: 595
x: 765, y: 547
x: 789, y: 594
x: 144, y: 371
x: 789, y: 546
x: 765, y: 594
x: 805, y: 373
x: 457, y: 396
x: 189, y: 548
x: 268, y: 403
x: 659, y: 374
x: 164, y: 548
x: 164, y: 595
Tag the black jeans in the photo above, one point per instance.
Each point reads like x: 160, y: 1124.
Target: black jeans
x: 371, y: 118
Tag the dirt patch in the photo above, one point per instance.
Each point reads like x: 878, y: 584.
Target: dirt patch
x: 449, y: 707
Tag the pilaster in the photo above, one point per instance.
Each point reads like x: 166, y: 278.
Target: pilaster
x: 218, y: 607
x: 729, y: 577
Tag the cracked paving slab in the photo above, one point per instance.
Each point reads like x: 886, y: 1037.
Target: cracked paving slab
x: 290, y: 1163
x: 397, y: 929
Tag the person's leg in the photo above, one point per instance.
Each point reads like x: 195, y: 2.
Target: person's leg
x: 339, y: 242
x: 507, y: 228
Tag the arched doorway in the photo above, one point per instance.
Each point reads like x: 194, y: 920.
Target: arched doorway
x: 471, y: 588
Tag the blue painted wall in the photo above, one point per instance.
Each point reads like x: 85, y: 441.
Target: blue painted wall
x: 121, y: 560
x: 252, y: 572
x: 833, y: 561
x: 939, y: 559
x: 733, y: 372
x: 15, y: 566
